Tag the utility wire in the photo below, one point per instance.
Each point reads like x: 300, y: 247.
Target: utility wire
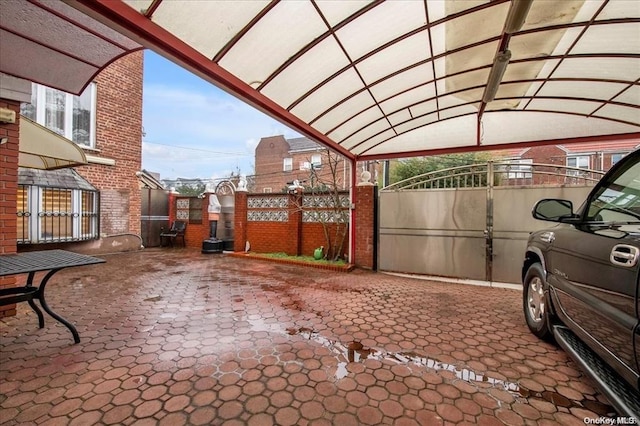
x: 242, y: 154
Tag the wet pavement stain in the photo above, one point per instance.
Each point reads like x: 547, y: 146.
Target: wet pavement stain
x: 356, y: 352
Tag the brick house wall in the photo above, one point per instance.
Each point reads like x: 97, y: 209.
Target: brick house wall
x: 269, y: 166
x: 118, y: 137
x: 8, y: 193
x: 547, y: 154
x: 600, y: 153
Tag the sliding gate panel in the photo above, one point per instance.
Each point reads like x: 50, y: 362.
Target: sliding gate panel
x: 471, y: 221
x: 512, y: 223
x: 155, y: 215
x: 434, y: 232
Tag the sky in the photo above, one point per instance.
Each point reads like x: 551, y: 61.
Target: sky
x: 192, y: 129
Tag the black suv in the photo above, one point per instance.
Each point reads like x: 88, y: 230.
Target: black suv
x: 581, y: 282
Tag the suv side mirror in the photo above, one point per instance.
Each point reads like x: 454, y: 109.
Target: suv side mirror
x: 553, y: 210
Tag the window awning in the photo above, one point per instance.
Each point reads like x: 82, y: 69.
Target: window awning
x: 40, y: 148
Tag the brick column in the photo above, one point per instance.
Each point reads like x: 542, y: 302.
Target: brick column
x: 9, y: 193
x: 172, y: 207
x: 240, y: 221
x: 366, y: 232
x: 295, y: 224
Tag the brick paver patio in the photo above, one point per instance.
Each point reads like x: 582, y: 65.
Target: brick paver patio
x: 175, y: 337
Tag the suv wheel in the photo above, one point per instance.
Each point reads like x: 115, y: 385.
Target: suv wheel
x: 535, y: 307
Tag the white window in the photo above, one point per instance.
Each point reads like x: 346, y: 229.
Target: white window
x: 616, y: 157
x: 287, y: 164
x: 266, y: 190
x: 305, y: 165
x: 579, y: 161
x: 520, y: 169
x: 73, y: 117
x: 316, y: 161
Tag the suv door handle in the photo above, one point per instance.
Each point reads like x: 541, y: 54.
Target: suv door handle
x: 624, y: 255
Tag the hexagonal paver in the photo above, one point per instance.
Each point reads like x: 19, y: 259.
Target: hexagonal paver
x: 174, y: 336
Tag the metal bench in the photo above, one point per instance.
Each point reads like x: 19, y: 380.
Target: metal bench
x: 177, y: 230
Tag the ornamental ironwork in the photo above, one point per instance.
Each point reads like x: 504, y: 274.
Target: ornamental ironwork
x: 267, y: 216
x: 325, y: 201
x: 271, y: 202
x: 324, y: 216
x: 226, y: 187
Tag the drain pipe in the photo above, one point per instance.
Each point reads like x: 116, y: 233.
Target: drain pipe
x: 352, y: 214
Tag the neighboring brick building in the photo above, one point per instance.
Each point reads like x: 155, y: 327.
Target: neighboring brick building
x: 586, y: 155
x: 279, y: 161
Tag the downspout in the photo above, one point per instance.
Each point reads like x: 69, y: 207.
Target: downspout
x: 352, y: 214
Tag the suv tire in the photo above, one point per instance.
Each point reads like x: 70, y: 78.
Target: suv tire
x: 534, y: 302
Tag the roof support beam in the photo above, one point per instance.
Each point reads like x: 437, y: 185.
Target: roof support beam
x: 126, y: 20
x: 498, y: 147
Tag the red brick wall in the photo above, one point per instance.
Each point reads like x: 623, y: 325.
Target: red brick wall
x: 293, y: 237
x: 272, y: 237
x: 366, y: 233
x: 118, y: 137
x: 270, y: 153
x: 546, y: 154
x: 8, y: 194
x: 313, y: 237
x: 240, y: 221
x: 195, y: 233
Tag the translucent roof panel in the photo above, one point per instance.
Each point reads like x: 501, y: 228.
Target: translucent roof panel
x: 56, y: 45
x: 389, y: 79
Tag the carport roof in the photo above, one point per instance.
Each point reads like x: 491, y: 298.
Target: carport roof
x: 376, y: 79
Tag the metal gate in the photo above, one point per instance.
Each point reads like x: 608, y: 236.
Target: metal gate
x: 471, y: 221
x: 154, y: 215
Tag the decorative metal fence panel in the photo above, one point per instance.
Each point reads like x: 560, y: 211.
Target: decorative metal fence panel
x: 314, y: 207
x: 472, y: 221
x: 271, y: 208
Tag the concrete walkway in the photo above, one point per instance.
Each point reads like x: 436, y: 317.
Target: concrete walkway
x: 175, y: 337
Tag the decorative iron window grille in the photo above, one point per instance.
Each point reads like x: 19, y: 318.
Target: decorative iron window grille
x: 54, y: 215
x: 189, y: 209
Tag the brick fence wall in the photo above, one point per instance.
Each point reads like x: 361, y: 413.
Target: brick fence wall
x: 280, y: 226
x: 294, y: 235
x: 197, y: 231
